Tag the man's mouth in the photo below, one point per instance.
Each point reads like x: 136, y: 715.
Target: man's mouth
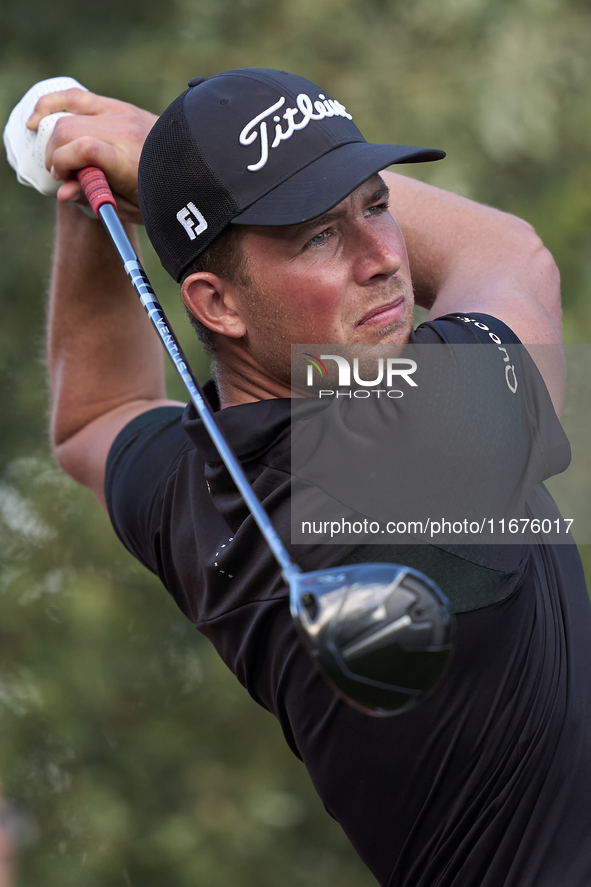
x: 384, y: 315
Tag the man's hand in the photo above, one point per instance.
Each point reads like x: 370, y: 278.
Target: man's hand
x: 102, y: 132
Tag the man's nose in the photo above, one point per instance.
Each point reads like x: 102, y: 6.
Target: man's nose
x: 378, y: 257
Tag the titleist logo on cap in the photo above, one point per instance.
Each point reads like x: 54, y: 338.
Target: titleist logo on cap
x: 257, y: 127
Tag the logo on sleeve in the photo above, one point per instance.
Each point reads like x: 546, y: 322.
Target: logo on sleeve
x: 192, y: 220
x: 510, y: 374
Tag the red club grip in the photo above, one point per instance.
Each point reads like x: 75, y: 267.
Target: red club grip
x: 95, y: 187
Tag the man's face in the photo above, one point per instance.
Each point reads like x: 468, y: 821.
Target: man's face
x: 342, y: 278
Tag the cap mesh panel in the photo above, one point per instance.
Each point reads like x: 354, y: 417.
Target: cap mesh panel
x: 172, y: 173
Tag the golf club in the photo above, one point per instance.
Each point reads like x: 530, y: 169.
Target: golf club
x: 381, y: 634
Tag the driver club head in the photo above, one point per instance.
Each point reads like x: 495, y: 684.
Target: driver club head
x: 380, y: 634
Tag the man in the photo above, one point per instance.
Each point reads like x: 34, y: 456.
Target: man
x: 487, y: 782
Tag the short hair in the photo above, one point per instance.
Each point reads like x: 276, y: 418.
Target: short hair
x: 224, y: 257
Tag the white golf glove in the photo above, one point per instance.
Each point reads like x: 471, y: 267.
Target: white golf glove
x: 25, y: 149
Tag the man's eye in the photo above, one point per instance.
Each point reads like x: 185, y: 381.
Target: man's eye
x: 378, y: 208
x: 318, y: 239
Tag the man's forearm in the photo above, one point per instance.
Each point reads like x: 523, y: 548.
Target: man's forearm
x: 102, y: 351
x: 464, y: 255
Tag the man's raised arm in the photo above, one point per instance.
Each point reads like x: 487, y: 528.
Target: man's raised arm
x: 466, y: 257
x: 106, y: 365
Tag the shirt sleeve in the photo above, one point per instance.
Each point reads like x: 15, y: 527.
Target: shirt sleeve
x: 549, y: 447
x: 142, y: 458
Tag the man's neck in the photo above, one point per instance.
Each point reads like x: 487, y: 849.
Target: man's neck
x: 240, y: 379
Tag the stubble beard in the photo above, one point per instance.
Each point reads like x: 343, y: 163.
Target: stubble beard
x: 267, y: 313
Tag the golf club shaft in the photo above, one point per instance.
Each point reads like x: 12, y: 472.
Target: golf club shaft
x: 101, y: 199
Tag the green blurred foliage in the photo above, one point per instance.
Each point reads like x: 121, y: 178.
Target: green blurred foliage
x: 132, y: 755
x: 139, y: 756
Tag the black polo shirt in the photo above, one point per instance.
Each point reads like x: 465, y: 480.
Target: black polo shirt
x: 487, y: 783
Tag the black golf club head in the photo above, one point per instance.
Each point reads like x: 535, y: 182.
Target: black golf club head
x: 380, y: 634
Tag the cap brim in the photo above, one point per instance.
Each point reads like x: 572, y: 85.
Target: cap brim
x: 328, y: 180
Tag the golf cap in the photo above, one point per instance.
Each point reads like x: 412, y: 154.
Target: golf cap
x: 250, y: 147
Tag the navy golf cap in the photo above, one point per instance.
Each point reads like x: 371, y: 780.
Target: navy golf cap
x: 251, y: 147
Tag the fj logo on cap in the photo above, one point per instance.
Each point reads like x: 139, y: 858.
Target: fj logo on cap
x: 192, y: 220
x: 256, y: 127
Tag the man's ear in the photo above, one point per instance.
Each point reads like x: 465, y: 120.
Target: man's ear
x: 214, y: 302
